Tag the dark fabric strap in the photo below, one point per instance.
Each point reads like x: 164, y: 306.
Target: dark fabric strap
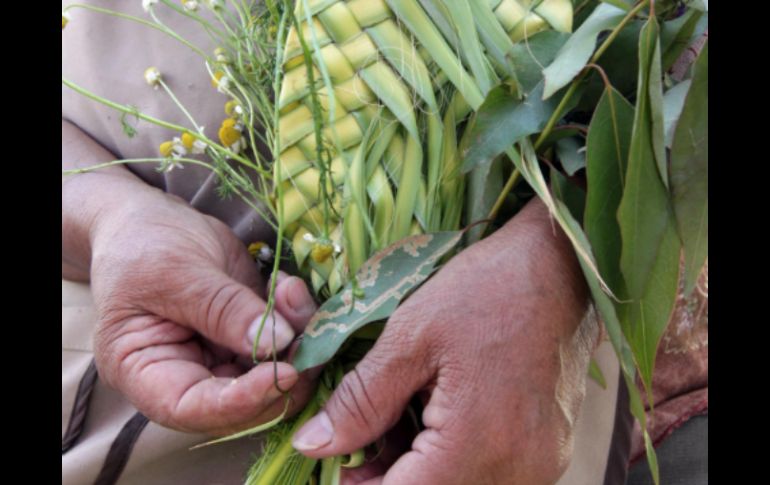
x: 79, y: 408
x: 120, y: 450
x: 620, y: 446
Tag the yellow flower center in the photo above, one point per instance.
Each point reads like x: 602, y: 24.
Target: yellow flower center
x: 321, y: 252
x: 63, y: 22
x: 228, y: 133
x: 255, y: 247
x: 217, y: 76
x: 166, y: 148
x: 188, y: 140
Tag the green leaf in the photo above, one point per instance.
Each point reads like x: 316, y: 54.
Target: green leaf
x: 644, y: 208
x: 607, y: 145
x: 655, y: 92
x: 568, y: 192
x: 620, y: 64
x: 528, y: 58
x: 625, y: 5
x: 571, y: 153
x: 676, y: 35
x: 645, y: 319
x: 129, y: 130
x: 385, y: 279
x: 673, y: 101
x: 576, y: 52
x: 485, y: 182
x: 689, y: 172
x: 500, y: 122
x: 595, y: 373
x: 248, y: 432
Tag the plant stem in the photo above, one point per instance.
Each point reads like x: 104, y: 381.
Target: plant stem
x: 91, y: 168
x: 285, y: 450
x: 504, y: 193
x: 155, y: 121
x: 181, y: 107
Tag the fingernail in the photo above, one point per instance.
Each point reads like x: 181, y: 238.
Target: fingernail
x: 316, y: 433
x: 283, y: 334
x: 299, y: 298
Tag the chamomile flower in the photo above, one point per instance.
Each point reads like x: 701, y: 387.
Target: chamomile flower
x: 233, y: 109
x: 221, y: 55
x: 231, y: 135
x: 190, y: 5
x: 147, y: 4
x: 65, y: 18
x: 173, y: 149
x: 221, y: 81
x: 261, y: 251
x: 152, y: 76
x: 322, y: 248
x: 193, y: 144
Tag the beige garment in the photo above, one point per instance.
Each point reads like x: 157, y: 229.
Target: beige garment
x: 161, y: 456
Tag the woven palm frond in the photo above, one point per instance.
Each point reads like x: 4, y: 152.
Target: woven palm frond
x: 368, y: 136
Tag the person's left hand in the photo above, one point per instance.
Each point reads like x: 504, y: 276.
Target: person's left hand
x: 495, y: 340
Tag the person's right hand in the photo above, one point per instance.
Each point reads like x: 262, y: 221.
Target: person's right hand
x: 179, y: 302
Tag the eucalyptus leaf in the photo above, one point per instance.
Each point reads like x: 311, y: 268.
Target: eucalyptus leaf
x: 607, y: 145
x: 655, y: 93
x: 380, y: 285
x: 676, y: 35
x: 619, y: 3
x: 501, y: 121
x: 485, y: 182
x: 568, y: 192
x: 689, y: 172
x: 644, y: 208
x: 645, y: 319
x: 571, y: 153
x: 620, y: 63
x: 673, y: 102
x: 530, y: 58
x: 576, y: 52
x: 701, y: 5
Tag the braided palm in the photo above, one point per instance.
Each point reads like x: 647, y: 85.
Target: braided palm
x: 403, y: 74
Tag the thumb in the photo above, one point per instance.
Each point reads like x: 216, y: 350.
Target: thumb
x: 231, y: 314
x: 369, y: 400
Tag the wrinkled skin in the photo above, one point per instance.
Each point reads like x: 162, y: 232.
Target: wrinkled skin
x: 177, y: 297
x: 176, y: 294
x: 495, y: 345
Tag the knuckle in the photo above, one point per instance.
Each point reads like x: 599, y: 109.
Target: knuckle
x: 352, y: 401
x: 218, y: 307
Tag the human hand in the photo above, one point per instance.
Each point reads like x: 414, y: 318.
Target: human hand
x: 179, y: 301
x: 494, y: 339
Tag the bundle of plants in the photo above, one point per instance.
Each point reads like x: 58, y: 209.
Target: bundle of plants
x: 380, y: 137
